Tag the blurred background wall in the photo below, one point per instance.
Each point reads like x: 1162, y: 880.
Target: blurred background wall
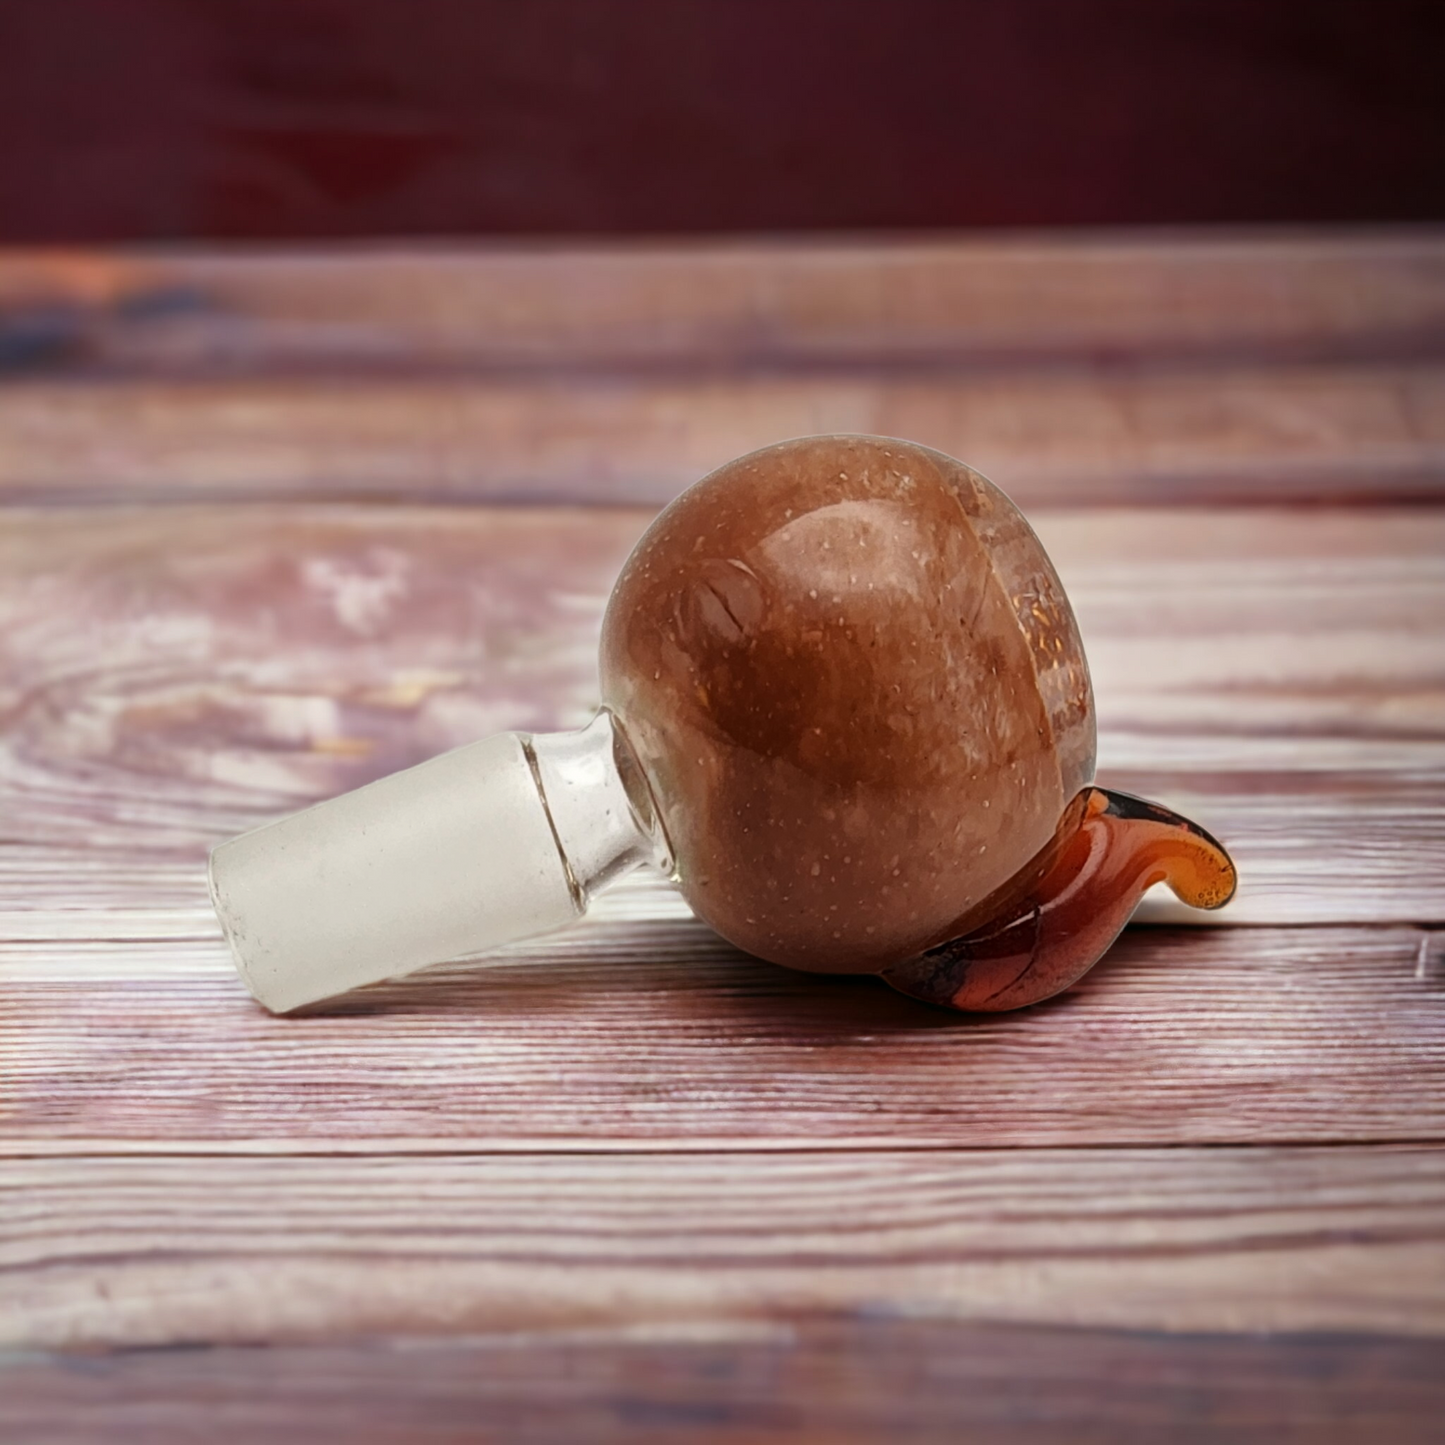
x: 154, y: 119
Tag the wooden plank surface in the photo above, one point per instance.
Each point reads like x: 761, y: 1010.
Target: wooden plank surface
x: 656, y: 1034
x: 1073, y: 435
x: 98, y: 1251
x: 629, y: 1184
x: 739, y: 304
x: 852, y: 1380
x: 1084, y: 370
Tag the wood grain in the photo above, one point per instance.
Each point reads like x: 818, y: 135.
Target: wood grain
x: 627, y: 1183
x: 737, y: 305
x: 107, y: 1252
x: 853, y: 1380
x: 1244, y: 433
x: 169, y: 676
x: 655, y: 1034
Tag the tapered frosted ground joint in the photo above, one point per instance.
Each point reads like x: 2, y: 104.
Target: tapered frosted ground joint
x: 498, y: 841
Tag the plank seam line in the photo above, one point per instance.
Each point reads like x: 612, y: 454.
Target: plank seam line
x: 632, y: 1150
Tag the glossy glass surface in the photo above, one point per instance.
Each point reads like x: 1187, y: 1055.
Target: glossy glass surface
x: 1110, y: 848
x: 853, y: 681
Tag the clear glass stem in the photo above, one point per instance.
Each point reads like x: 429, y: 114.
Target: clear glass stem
x: 599, y: 804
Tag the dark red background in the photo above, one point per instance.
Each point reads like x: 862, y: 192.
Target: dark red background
x: 211, y: 118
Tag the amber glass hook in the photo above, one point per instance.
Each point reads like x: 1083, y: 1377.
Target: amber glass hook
x: 1037, y: 940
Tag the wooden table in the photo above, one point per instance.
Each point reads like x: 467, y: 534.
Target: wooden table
x: 271, y: 526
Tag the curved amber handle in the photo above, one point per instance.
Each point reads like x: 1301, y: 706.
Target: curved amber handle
x: 1047, y: 940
